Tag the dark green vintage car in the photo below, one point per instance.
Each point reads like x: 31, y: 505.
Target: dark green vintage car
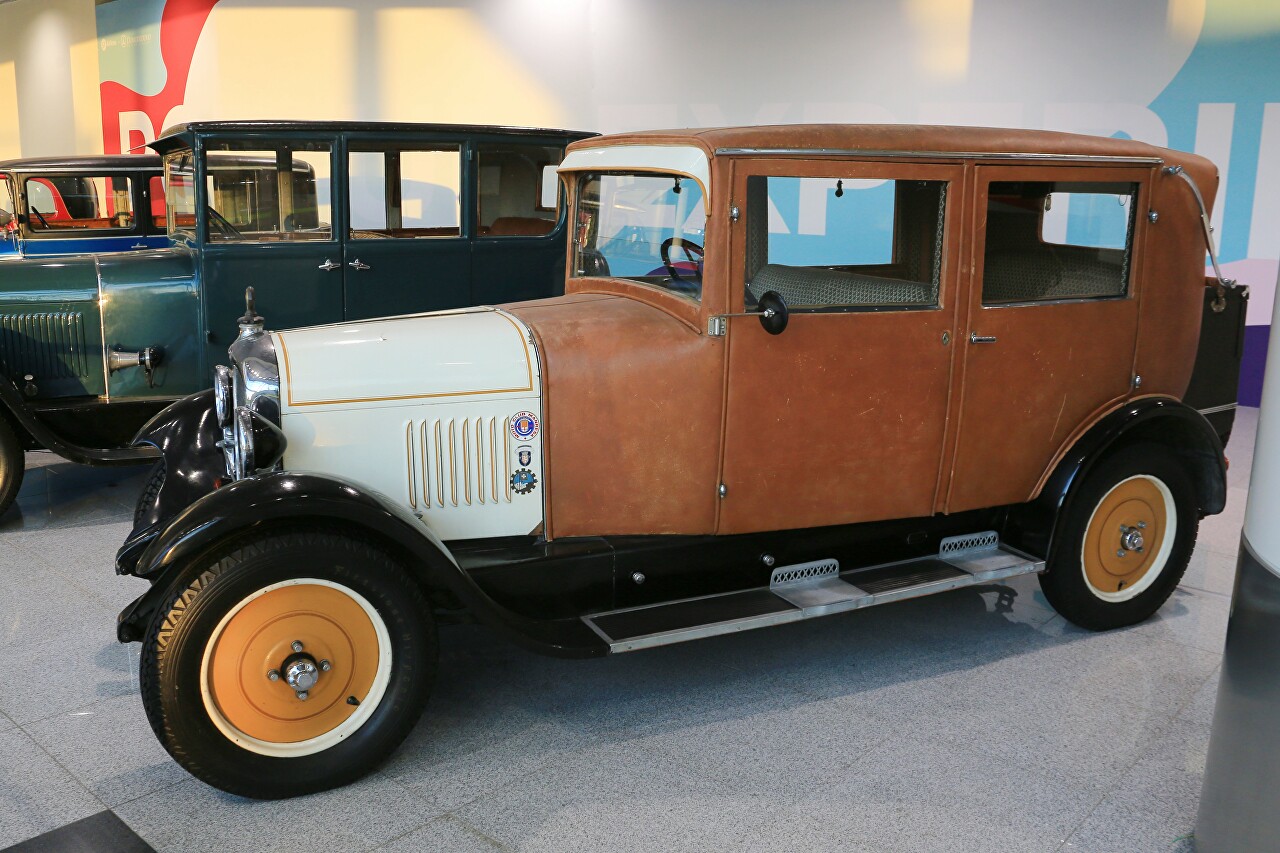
x: 329, y: 221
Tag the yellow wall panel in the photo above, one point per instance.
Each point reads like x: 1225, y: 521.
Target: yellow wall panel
x: 10, y: 141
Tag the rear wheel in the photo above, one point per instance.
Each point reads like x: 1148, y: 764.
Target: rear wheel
x: 288, y: 664
x: 1124, y: 540
x: 13, y: 464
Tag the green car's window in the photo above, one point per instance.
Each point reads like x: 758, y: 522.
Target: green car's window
x: 6, y: 205
x: 180, y: 192
x: 646, y: 227
x: 519, y: 190
x: 262, y: 195
x: 61, y: 203
x: 397, y: 192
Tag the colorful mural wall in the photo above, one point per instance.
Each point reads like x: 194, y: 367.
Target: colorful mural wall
x: 1201, y: 75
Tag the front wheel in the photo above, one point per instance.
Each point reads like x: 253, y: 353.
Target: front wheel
x: 13, y: 464
x: 288, y: 664
x: 1124, y: 540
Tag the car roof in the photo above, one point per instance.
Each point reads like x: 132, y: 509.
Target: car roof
x: 83, y: 162
x: 889, y: 139
x: 170, y: 138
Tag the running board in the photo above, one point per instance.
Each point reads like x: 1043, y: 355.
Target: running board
x: 809, y: 590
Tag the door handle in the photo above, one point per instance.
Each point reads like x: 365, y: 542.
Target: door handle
x: 975, y: 338
x: 328, y: 265
x: 356, y: 265
x: 138, y: 246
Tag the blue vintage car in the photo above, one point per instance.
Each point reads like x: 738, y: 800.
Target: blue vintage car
x: 329, y: 221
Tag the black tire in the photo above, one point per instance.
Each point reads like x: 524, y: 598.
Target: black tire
x: 150, y: 491
x: 1066, y: 582
x: 175, y: 644
x: 13, y: 464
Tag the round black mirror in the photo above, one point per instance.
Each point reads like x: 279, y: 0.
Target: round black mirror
x: 773, y: 312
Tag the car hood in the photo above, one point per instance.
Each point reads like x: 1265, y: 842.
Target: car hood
x: 411, y: 360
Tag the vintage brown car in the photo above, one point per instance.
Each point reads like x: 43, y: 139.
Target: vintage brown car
x: 798, y: 370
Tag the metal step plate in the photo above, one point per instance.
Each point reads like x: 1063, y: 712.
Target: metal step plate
x: 809, y: 590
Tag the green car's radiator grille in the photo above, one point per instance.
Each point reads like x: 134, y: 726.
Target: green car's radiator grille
x: 47, y: 345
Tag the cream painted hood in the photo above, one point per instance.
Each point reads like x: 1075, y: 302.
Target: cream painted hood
x: 415, y: 360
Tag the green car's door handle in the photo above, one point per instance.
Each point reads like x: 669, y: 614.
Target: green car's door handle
x: 328, y: 265
x: 356, y: 265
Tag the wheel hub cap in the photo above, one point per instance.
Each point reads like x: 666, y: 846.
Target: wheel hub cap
x: 309, y: 695
x: 1124, y: 535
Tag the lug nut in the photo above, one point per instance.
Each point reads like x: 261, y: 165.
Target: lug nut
x: 297, y: 645
x: 1142, y: 525
x: 273, y: 675
x: 325, y: 666
x: 302, y: 694
x: 1120, y: 553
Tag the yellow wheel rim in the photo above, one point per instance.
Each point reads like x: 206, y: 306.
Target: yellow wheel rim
x: 340, y: 635
x: 1128, y: 538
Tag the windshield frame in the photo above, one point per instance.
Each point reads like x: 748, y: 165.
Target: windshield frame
x: 689, y: 288
x: 175, y: 231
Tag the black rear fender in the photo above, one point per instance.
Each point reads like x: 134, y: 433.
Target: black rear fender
x: 1155, y: 420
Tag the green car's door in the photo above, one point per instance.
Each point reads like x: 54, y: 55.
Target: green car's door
x: 268, y: 220
x: 406, y: 247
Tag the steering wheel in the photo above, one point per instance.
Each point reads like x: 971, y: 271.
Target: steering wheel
x: 225, y: 228
x: 689, y: 248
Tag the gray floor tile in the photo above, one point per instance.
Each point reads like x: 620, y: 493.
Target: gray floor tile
x: 191, y: 816
x: 1210, y: 571
x: 36, y: 794
x: 1190, y: 617
x: 1222, y: 532
x: 109, y: 748
x: 44, y: 676
x: 925, y: 794
x: 444, y: 835
x: 1114, y: 828
x: 613, y: 797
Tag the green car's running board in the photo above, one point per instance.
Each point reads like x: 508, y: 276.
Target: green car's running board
x: 809, y: 590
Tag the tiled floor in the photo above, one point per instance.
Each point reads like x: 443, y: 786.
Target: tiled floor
x: 974, y: 721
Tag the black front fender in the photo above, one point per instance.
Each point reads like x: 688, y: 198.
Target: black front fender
x: 187, y: 435
x: 286, y: 497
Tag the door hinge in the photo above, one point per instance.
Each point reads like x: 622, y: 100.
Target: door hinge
x: 734, y: 213
x: 717, y: 325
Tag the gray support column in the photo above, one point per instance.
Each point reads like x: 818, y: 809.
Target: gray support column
x: 1240, y: 801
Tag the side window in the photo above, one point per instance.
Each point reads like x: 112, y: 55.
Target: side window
x: 1054, y: 240
x: 405, y: 193
x: 845, y: 243
x: 64, y: 203
x: 7, y: 207
x: 155, y: 195
x: 268, y: 195
x: 516, y: 198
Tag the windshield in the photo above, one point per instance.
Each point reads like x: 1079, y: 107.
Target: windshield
x: 643, y: 227
x: 180, y: 191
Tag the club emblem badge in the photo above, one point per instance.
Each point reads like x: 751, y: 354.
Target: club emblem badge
x: 524, y: 425
x: 523, y: 481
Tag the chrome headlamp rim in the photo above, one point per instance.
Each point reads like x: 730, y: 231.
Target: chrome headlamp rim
x: 223, y: 394
x: 243, y: 457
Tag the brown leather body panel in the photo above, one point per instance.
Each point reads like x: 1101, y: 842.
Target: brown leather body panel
x: 631, y: 411
x: 1173, y: 279
x: 838, y: 419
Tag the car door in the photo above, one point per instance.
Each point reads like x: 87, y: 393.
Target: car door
x: 268, y: 220
x: 841, y: 417
x: 406, y: 248
x: 1052, y: 320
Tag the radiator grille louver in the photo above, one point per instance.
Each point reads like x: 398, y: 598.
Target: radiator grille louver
x: 458, y: 462
x: 47, y: 345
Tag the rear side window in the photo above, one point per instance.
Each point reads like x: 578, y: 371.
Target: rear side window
x: 66, y: 203
x: 518, y: 190
x: 261, y: 195
x: 1056, y: 240
x: 842, y: 243
x: 399, y: 192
